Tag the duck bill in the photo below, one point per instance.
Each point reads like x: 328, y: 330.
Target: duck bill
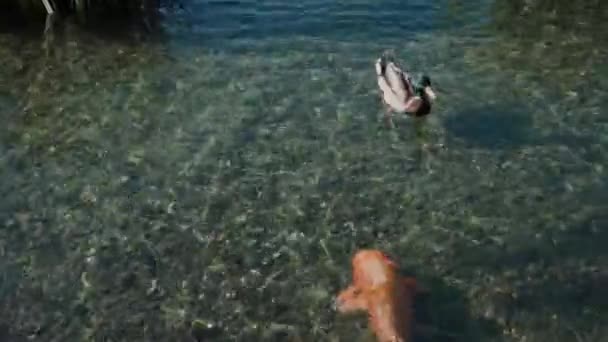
x: 430, y: 93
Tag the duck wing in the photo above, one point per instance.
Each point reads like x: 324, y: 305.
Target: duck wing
x: 397, y: 80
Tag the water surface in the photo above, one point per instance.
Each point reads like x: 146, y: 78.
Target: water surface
x: 224, y: 170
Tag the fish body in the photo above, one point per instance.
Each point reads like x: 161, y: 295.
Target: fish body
x: 378, y: 289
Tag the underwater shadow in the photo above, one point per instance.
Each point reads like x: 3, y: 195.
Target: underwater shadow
x: 564, y: 275
x: 7, y: 334
x: 492, y: 127
x: 442, y: 313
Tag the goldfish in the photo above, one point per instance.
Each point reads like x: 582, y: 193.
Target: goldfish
x: 378, y: 289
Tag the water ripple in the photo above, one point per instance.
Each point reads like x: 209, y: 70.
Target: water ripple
x: 219, y: 21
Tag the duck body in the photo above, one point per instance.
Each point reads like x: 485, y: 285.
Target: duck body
x: 402, y: 93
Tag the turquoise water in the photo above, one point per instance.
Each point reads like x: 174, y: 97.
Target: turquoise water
x: 213, y: 179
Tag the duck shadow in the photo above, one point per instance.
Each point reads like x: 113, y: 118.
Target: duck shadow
x: 492, y: 127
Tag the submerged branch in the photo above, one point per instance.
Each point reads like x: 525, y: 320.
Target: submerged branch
x: 84, y: 10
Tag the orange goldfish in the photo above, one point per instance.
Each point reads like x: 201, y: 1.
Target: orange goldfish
x: 383, y: 293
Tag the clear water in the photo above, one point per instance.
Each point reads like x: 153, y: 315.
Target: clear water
x: 223, y: 171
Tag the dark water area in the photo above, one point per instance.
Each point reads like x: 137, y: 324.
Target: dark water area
x: 341, y: 21
x: 208, y: 176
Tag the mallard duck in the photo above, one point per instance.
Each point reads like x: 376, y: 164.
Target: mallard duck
x: 401, y: 93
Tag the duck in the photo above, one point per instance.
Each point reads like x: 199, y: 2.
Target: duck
x: 401, y: 93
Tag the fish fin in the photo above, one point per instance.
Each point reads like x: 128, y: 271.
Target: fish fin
x: 351, y: 299
x: 389, y: 260
x: 412, y: 285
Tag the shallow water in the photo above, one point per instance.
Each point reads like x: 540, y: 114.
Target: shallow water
x: 223, y: 171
